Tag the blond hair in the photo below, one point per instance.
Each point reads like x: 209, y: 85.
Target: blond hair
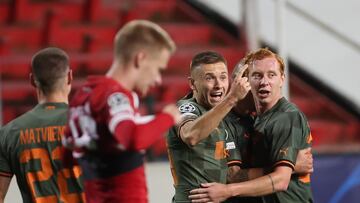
x: 139, y: 35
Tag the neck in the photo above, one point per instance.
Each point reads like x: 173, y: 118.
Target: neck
x: 264, y: 107
x: 261, y: 108
x: 56, y: 97
x: 123, y: 74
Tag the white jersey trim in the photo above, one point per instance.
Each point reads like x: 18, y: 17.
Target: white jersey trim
x: 136, y: 100
x: 144, y: 119
x: 117, y: 119
x: 184, y: 115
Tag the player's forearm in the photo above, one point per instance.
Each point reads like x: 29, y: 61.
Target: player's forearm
x: 241, y: 175
x: 139, y: 136
x: 204, y: 125
x: 147, y: 134
x: 274, y: 182
x: 254, y: 173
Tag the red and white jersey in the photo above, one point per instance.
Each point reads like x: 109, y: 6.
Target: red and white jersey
x: 108, y: 137
x: 98, y: 107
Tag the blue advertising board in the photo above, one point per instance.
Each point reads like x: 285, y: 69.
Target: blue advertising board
x: 336, y: 178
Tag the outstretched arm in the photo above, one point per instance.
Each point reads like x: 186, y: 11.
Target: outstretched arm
x: 195, y: 130
x: 141, y: 134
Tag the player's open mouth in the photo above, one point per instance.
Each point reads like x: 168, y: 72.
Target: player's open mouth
x: 263, y: 93
x: 216, y: 96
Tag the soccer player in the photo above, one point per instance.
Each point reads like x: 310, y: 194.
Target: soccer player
x: 106, y: 131
x: 280, y: 131
x: 244, y: 114
x: 202, y: 146
x: 30, y: 145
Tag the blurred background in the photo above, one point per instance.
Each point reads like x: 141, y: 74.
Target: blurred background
x: 320, y: 41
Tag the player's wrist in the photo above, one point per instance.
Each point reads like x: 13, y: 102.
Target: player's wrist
x: 231, y: 100
x: 230, y: 191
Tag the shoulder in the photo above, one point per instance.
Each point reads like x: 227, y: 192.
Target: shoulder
x: 184, y: 102
x: 11, y: 128
x: 19, y: 122
x: 112, y: 89
x: 291, y: 113
x: 118, y: 98
x: 189, y: 111
x: 287, y: 112
x: 291, y: 121
x: 102, y: 92
x: 286, y: 119
x: 189, y: 106
x: 287, y: 107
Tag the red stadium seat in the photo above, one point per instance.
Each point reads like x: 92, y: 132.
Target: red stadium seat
x: 86, y: 28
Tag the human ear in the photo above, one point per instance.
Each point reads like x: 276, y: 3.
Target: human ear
x: 282, y: 77
x: 139, y: 59
x: 70, y: 77
x: 192, y: 83
x: 32, y: 80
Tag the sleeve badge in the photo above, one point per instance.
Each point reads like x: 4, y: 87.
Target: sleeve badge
x: 187, y: 108
x: 118, y: 100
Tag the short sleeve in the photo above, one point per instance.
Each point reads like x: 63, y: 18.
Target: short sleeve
x: 5, y: 169
x: 234, y: 141
x: 189, y: 112
x: 288, y: 135
x: 233, y: 151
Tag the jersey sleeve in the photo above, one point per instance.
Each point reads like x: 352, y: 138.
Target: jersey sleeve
x: 121, y: 111
x: 234, y: 156
x: 131, y: 130
x: 189, y: 112
x: 289, y: 134
x: 5, y: 169
x: 233, y: 142
x: 141, y: 135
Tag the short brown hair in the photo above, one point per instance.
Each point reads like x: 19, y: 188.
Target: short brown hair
x: 48, y: 67
x: 141, y: 34
x: 206, y: 57
x: 260, y: 54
